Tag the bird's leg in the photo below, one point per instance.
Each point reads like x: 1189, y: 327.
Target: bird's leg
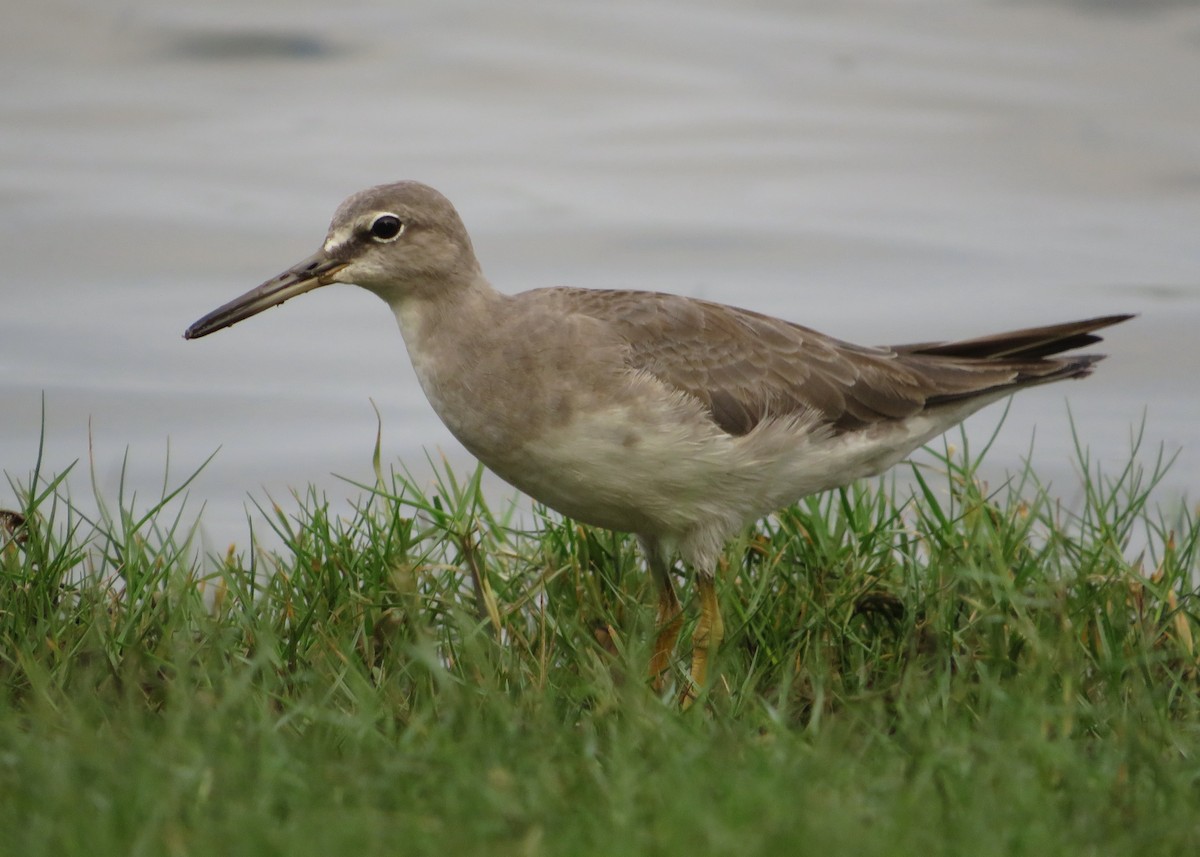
x: 706, y: 639
x: 669, y: 620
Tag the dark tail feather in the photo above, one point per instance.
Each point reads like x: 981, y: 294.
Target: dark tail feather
x: 1010, y: 361
x: 1032, y: 343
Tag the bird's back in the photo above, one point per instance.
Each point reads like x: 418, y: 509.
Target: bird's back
x: 745, y: 367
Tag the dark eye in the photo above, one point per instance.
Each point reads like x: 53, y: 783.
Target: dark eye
x: 387, y: 227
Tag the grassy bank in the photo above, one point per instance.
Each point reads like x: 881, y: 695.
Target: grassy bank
x: 959, y: 669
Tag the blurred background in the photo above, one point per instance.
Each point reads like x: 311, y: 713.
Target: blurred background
x: 883, y: 171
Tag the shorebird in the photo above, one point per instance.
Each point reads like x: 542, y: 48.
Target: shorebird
x: 676, y: 419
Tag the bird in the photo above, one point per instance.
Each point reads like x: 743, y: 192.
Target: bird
x: 679, y: 420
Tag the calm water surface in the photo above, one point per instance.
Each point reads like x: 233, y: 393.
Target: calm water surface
x: 884, y: 172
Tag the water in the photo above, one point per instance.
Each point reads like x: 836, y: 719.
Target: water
x: 884, y: 172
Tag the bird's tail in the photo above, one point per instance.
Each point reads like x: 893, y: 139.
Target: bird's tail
x: 1030, y: 343
x: 1026, y: 356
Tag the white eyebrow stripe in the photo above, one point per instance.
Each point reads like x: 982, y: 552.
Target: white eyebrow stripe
x: 338, y: 238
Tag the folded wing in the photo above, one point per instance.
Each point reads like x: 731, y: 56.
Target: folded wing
x: 745, y: 367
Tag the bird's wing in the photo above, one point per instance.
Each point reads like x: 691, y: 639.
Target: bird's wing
x: 745, y: 367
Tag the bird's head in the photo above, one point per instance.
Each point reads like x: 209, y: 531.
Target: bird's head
x: 400, y: 241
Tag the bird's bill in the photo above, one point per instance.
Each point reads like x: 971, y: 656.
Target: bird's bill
x: 313, y: 272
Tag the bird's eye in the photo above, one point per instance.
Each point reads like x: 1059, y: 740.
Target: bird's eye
x: 387, y: 227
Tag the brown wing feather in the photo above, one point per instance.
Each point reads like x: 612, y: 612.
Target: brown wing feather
x: 745, y: 367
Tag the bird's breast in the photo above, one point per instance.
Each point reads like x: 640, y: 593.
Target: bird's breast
x: 500, y: 379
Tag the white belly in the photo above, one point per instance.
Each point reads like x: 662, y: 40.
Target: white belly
x: 642, y: 473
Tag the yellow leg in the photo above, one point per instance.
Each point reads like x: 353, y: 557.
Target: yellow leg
x: 669, y: 622
x: 706, y: 639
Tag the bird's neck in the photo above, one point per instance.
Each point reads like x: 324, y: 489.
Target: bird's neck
x: 449, y: 312
x: 443, y: 332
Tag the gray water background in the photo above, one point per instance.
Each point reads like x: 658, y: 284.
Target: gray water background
x: 883, y: 171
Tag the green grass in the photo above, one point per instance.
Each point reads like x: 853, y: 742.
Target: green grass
x: 953, y: 670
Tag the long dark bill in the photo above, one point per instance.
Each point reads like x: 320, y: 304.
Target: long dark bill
x: 302, y: 277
